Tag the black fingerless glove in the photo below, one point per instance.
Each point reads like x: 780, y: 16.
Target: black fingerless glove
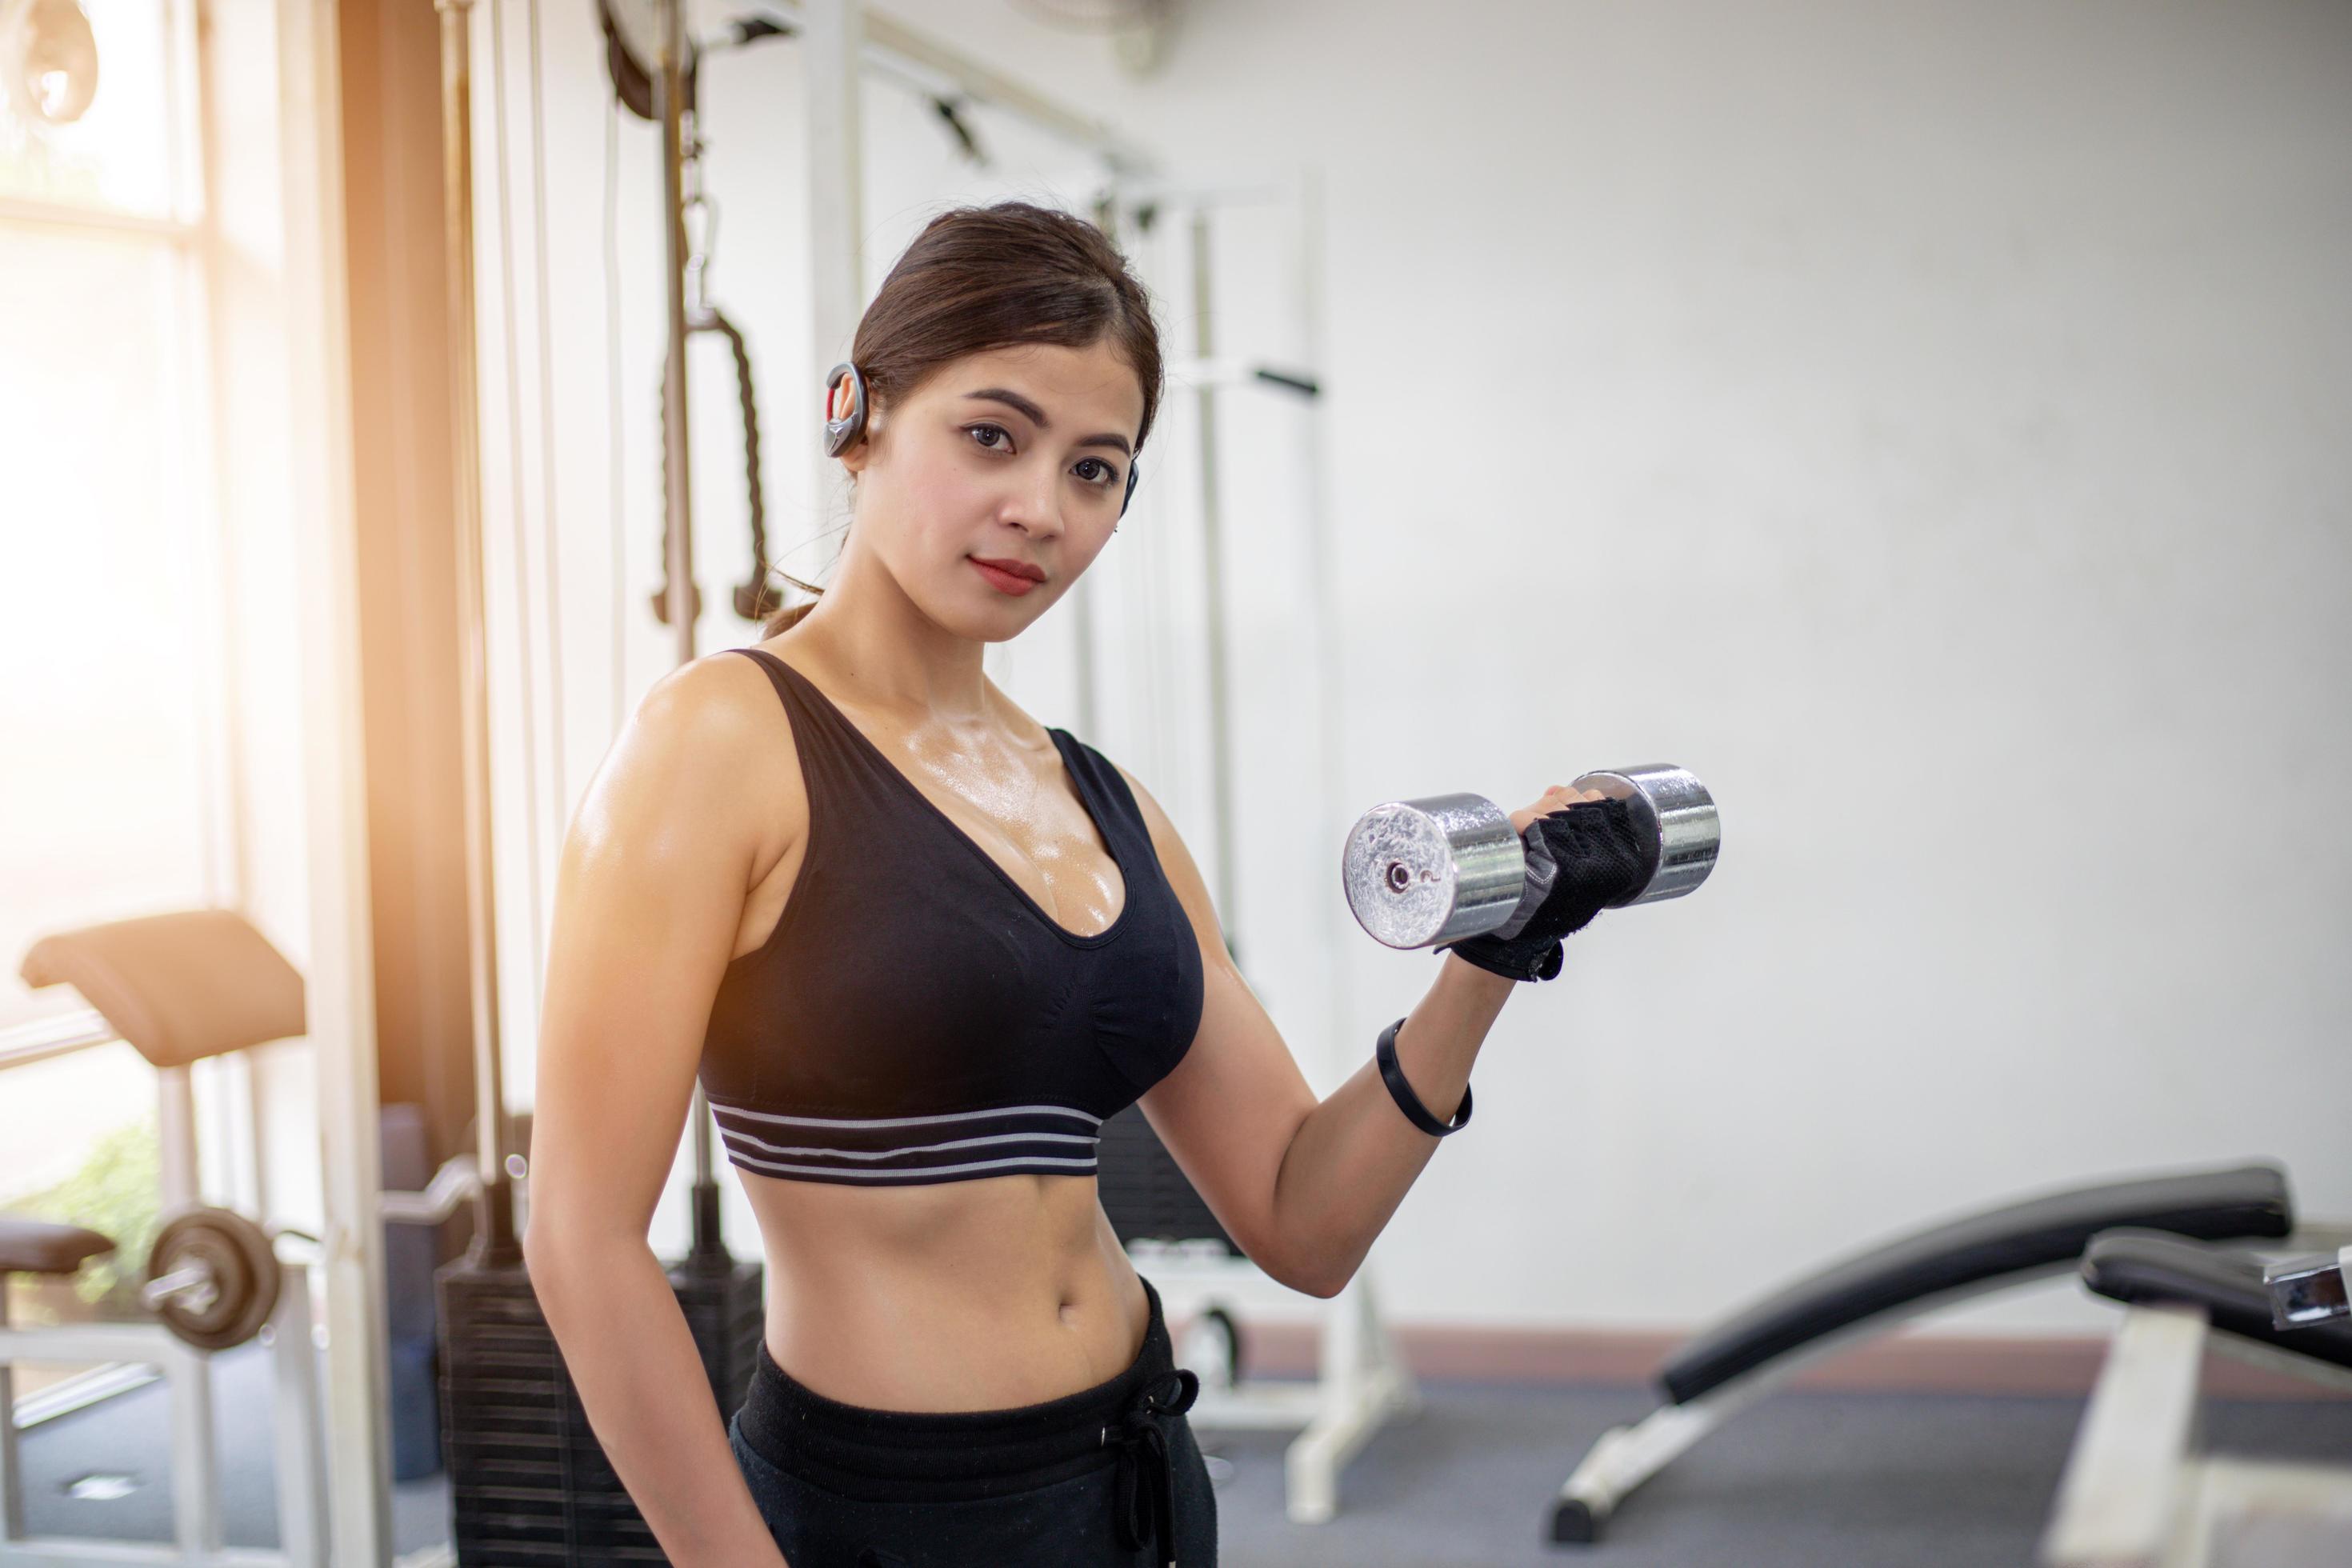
x: 1581, y: 860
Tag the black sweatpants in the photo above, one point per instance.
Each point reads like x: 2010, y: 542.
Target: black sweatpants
x: 1109, y: 1477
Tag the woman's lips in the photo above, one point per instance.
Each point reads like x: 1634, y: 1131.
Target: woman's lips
x: 1003, y: 581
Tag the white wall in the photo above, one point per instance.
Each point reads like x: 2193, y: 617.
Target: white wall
x: 1926, y: 422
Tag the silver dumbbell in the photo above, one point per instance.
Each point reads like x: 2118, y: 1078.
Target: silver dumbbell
x: 1421, y: 872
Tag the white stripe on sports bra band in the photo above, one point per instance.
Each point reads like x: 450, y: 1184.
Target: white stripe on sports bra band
x: 903, y: 1170
x: 906, y: 1121
x: 915, y: 1148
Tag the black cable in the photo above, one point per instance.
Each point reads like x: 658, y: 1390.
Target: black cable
x: 1289, y: 379
x: 751, y: 595
x: 752, y: 27
x: 952, y: 112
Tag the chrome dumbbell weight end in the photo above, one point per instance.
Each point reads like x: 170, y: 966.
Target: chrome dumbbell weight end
x: 1422, y: 873
x: 1677, y: 819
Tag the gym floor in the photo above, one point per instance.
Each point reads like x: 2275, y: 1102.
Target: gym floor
x: 1859, y: 1480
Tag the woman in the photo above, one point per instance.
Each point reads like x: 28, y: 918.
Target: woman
x: 917, y: 947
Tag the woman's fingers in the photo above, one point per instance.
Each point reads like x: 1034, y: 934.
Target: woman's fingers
x: 1559, y: 797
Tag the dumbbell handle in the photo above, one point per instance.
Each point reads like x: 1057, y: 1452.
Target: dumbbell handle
x: 2308, y: 1291
x: 1425, y: 872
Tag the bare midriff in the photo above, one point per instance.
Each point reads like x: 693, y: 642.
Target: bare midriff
x: 951, y: 1296
x: 956, y: 1296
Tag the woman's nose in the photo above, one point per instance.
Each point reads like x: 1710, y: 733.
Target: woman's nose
x: 1037, y: 503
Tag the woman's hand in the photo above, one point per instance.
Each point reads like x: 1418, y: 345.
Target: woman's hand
x: 1594, y: 859
x: 1560, y: 797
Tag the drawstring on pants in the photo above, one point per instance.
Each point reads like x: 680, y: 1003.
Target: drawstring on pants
x: 1146, y: 1505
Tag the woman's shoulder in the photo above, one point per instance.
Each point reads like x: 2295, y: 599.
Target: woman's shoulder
x: 701, y: 734
x: 720, y: 701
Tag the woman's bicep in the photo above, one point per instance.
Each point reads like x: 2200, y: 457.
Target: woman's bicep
x: 1227, y: 1112
x: 648, y: 897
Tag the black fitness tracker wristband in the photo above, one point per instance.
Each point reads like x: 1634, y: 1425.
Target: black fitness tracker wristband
x: 1392, y: 1074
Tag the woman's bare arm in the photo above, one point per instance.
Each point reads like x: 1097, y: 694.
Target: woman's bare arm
x: 1304, y: 1186
x: 667, y: 842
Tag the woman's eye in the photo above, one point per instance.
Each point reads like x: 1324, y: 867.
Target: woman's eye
x: 996, y: 438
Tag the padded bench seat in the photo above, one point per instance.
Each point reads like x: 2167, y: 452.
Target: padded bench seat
x: 2143, y: 1267
x: 39, y: 1246
x: 2046, y: 1234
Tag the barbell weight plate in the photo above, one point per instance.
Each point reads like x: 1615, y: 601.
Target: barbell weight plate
x: 246, y: 1277
x: 1420, y: 872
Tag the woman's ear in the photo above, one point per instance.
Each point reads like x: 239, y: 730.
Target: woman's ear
x: 860, y: 452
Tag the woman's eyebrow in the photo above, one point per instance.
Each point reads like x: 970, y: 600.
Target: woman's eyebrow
x: 1036, y: 416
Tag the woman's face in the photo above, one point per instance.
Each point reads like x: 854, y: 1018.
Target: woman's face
x: 1017, y: 456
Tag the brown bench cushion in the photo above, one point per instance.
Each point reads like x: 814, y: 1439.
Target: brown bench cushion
x: 180, y: 987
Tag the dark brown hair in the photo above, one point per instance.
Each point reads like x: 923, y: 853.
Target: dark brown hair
x: 979, y: 278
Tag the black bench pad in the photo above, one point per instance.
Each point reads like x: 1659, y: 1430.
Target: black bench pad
x: 2038, y: 1235
x: 2146, y: 1268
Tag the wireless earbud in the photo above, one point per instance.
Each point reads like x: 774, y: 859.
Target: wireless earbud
x: 842, y: 427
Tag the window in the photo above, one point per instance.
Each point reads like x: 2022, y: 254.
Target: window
x: 108, y: 674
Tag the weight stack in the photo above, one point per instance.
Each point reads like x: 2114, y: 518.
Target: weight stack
x: 528, y: 1483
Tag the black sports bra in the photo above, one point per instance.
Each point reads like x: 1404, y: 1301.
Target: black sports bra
x: 916, y: 1017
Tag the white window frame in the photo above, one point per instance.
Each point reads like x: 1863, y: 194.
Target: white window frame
x: 189, y: 238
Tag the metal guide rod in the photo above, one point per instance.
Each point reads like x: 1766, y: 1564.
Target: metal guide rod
x: 1110, y: 218
x: 1213, y: 566
x: 340, y: 978
x: 494, y: 1230
x: 12, y: 1465
x: 669, y: 107
x: 830, y: 30
x: 1321, y: 601
x: 669, y: 104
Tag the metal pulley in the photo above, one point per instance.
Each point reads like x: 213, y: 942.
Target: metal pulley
x: 48, y: 61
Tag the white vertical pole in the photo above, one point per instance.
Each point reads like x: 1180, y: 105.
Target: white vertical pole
x: 195, y: 1492
x: 175, y: 1138
x: 669, y: 107
x: 831, y: 40
x: 1330, y: 810
x: 302, y: 1485
x: 196, y: 1476
x: 494, y: 1232
x: 12, y: 1482
x: 680, y: 141
x: 1364, y: 1381
x: 339, y: 980
x: 1212, y: 575
x: 196, y: 1468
